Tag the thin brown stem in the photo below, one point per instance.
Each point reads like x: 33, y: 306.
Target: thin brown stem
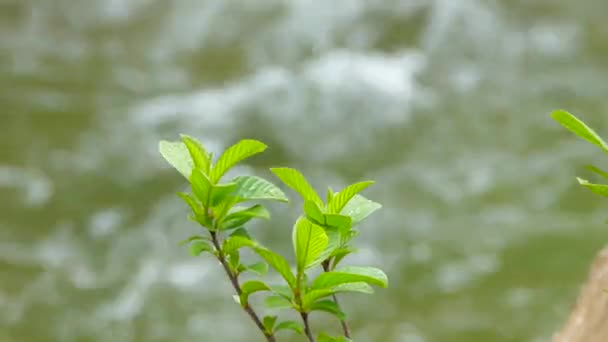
x: 307, y: 330
x: 343, y: 323
x: 237, y: 287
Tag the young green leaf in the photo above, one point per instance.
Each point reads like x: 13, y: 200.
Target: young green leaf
x: 235, y: 243
x: 198, y: 153
x: 359, y: 208
x: 191, y: 239
x: 241, y: 216
x: 340, y: 254
x: 600, y: 189
x: 341, y: 222
x: 220, y: 192
x: 199, y: 246
x: 343, y: 197
x: 259, y: 268
x: 269, y: 322
x: 351, y: 274
x: 578, y: 127
x: 201, y: 187
x: 597, y: 170
x: 289, y: 325
x: 234, y: 261
x: 277, y: 302
x: 309, y: 241
x: 242, y: 232
x: 313, y: 212
x: 328, y: 306
x: 235, y: 154
x: 177, y: 155
x: 278, y: 263
x: 314, y: 295
x: 296, y: 181
x: 250, y: 188
x: 283, y: 291
x: 250, y: 287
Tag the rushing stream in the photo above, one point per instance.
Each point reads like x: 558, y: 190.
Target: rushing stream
x: 484, y: 233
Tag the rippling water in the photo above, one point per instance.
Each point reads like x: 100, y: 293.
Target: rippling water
x: 484, y: 234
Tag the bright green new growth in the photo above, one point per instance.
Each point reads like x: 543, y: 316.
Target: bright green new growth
x: 321, y: 236
x: 579, y: 128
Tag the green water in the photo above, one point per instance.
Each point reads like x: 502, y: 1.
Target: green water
x: 485, y: 234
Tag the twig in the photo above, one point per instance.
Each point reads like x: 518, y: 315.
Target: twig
x: 237, y: 287
x: 307, y: 327
x: 343, y: 322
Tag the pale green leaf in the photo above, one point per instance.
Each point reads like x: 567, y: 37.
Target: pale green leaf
x: 283, y: 291
x: 597, y: 170
x: 328, y: 306
x: 600, y: 189
x: 309, y: 241
x: 235, y: 154
x: 314, y: 295
x: 234, y: 243
x: 330, y: 195
x: 242, y: 216
x: 269, y: 322
x: 259, y: 268
x: 192, y: 238
x: 340, y: 222
x: 313, y: 212
x: 578, y: 127
x: 220, y: 193
x: 250, y: 287
x: 177, y: 155
x: 201, y: 187
x: 359, y: 208
x: 250, y: 188
x: 296, y: 181
x: 351, y: 274
x: 343, y: 197
x: 333, y: 242
x: 290, y: 325
x: 278, y: 263
x: 199, y: 246
x: 198, y: 153
x: 277, y: 302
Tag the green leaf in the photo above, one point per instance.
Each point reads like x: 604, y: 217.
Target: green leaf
x: 201, y: 187
x: 199, y: 246
x: 333, y: 242
x: 259, y: 268
x: 235, y: 154
x: 242, y: 216
x: 359, y: 208
x: 234, y: 260
x: 309, y: 241
x: 340, y: 254
x: 220, y: 192
x: 192, y: 202
x: 283, y: 291
x: 597, y: 170
x: 177, y: 155
x: 351, y: 274
x: 360, y: 287
x: 314, y: 295
x: 340, y: 222
x: 192, y: 238
x: 313, y: 212
x: 278, y: 263
x: 343, y: 197
x: 234, y: 243
x: 242, y: 232
x: 277, y: 302
x: 250, y: 188
x: 269, y: 322
x: 323, y: 337
x: 296, y: 181
x: 330, y: 195
x: 198, y: 153
x: 250, y: 287
x: 600, y: 189
x: 290, y: 325
x: 328, y: 306
x: 579, y: 128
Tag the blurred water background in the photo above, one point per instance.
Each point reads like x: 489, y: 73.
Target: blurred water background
x: 484, y: 233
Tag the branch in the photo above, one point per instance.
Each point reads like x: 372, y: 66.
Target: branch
x: 237, y: 287
x: 307, y: 326
x: 343, y: 322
